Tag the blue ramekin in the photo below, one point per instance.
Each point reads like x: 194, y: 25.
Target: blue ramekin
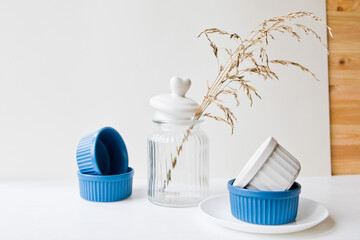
x: 106, y: 188
x: 102, y: 152
x: 264, y: 207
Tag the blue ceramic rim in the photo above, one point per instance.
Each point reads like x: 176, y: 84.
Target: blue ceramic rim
x: 293, y: 192
x: 93, y: 147
x: 115, y: 177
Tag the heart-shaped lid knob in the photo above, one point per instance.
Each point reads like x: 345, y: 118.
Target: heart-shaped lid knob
x: 179, y: 86
x: 175, y: 106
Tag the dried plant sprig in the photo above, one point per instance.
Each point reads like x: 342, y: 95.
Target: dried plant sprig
x: 288, y: 63
x: 232, y: 74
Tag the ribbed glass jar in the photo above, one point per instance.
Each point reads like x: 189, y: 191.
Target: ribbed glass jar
x: 178, y: 165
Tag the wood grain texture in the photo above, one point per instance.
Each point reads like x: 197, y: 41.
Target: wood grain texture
x: 344, y: 71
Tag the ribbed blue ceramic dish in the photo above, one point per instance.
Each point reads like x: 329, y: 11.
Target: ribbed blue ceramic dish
x: 102, y: 152
x: 106, y: 188
x: 264, y: 207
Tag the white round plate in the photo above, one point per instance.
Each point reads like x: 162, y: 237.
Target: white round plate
x: 310, y: 213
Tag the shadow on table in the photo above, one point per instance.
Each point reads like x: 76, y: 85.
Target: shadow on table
x: 139, y: 193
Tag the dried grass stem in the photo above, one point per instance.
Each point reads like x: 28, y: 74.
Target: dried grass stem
x: 233, y: 76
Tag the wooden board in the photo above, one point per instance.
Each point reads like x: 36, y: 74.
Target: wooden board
x: 344, y: 71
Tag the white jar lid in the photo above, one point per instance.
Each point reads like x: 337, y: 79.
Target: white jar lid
x: 175, y: 106
x: 256, y: 162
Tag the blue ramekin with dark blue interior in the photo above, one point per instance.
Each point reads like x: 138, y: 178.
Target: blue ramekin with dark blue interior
x: 106, y: 188
x: 102, y: 152
x: 264, y: 207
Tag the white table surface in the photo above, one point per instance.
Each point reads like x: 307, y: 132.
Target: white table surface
x: 54, y: 210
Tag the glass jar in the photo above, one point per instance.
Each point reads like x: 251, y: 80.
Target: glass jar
x: 178, y: 164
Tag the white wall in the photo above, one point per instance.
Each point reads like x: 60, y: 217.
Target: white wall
x: 70, y: 67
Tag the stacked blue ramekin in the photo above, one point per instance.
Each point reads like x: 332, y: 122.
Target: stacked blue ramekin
x: 265, y: 191
x: 104, y: 172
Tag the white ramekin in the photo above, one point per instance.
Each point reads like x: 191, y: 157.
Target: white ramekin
x: 271, y: 168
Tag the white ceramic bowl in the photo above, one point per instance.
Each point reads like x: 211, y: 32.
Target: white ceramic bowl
x: 271, y: 168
